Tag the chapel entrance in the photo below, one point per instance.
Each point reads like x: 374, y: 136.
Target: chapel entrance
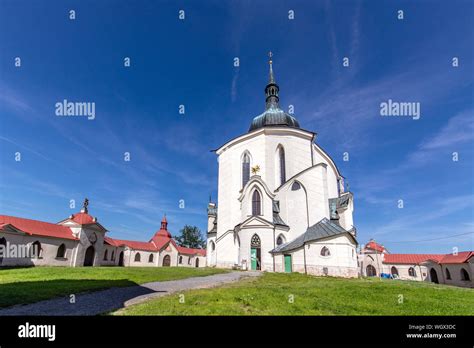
x: 121, y: 259
x: 167, y: 261
x: 288, y: 263
x: 434, y: 276
x: 89, y: 257
x: 255, y: 254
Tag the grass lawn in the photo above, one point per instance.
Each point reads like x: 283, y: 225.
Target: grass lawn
x: 271, y: 295
x: 27, y: 285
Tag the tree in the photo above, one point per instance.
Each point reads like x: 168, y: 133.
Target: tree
x: 190, y: 237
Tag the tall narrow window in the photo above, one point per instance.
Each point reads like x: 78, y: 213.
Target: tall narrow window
x: 281, y: 155
x: 245, y: 169
x: 256, y: 204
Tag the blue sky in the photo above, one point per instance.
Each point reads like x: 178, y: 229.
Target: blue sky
x: 190, y: 62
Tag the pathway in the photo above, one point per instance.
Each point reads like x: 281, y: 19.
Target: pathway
x: 103, y: 301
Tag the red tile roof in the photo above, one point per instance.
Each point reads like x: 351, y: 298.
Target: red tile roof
x: 411, y: 258
x: 110, y: 241
x: 83, y: 218
x: 191, y: 251
x: 160, y: 241
x: 133, y: 244
x: 460, y: 257
x: 375, y: 246
x: 38, y: 228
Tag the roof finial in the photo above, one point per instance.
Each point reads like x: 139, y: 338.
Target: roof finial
x: 270, y: 62
x: 85, y: 205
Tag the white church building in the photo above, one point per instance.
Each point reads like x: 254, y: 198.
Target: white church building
x: 281, y: 202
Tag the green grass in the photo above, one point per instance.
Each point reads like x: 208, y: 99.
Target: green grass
x: 270, y: 295
x: 27, y: 285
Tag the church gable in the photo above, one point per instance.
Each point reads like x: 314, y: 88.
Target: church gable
x: 255, y: 221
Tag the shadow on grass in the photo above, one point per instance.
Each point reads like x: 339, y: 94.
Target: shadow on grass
x: 59, y: 291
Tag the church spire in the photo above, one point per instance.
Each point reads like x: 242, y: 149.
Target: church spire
x: 272, y: 89
x: 270, y: 62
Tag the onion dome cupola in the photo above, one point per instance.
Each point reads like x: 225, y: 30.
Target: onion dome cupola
x: 163, y: 232
x: 273, y: 115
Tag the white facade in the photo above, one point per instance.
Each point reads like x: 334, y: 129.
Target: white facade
x: 80, y: 241
x: 291, y: 185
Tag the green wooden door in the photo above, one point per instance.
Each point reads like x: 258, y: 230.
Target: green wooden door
x: 288, y: 263
x: 253, y: 258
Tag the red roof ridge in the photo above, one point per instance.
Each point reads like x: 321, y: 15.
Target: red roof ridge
x: 37, y: 227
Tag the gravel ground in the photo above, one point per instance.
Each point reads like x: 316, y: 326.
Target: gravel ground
x: 115, y: 298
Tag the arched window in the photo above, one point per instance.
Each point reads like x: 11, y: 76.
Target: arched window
x: 325, y: 252
x: 137, y: 257
x: 448, y: 274
x: 281, y: 159
x: 256, y: 203
x: 180, y: 260
x: 150, y: 258
x: 464, y: 275
x: 245, y: 169
x: 61, y: 251
x: 394, y: 271
x: 280, y: 240
x: 296, y: 186
x: 197, y: 262
x: 106, y: 254
x: 371, y: 271
x: 113, y: 256
x: 212, y: 246
x: 37, y: 250
x: 411, y: 272
x: 255, y: 241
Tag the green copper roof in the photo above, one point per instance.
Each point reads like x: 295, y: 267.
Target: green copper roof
x: 273, y: 115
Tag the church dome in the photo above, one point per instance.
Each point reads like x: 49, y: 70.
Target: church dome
x: 273, y: 115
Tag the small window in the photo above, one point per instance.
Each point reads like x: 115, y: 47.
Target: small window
x: 106, y: 255
x: 61, y: 251
x: 412, y: 272
x: 296, y: 186
x: 212, y: 245
x: 137, y: 257
x: 279, y: 240
x: 150, y: 258
x: 448, y: 274
x: 325, y: 252
x: 113, y: 256
x: 464, y: 275
x: 189, y: 260
x: 180, y: 260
